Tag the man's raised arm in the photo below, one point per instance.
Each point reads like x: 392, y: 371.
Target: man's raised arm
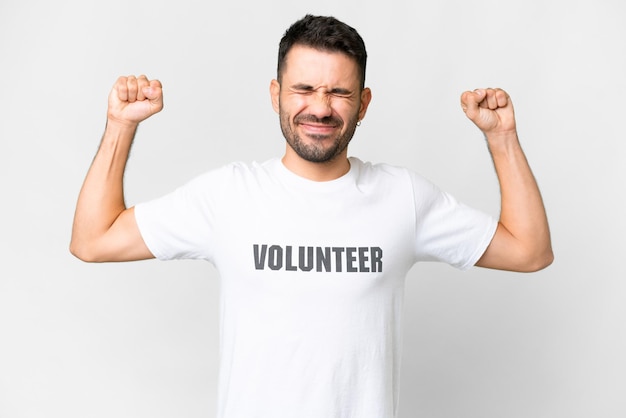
x: 522, y: 240
x: 104, y: 229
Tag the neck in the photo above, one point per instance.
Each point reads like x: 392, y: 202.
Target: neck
x: 326, y: 171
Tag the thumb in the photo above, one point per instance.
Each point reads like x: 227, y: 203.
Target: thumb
x: 154, y: 92
x: 470, y: 100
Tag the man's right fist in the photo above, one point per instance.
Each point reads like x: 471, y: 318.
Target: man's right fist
x: 134, y: 99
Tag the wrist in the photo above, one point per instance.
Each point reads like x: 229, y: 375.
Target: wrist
x: 502, y: 141
x: 118, y: 133
x: 116, y: 124
x: 120, y: 129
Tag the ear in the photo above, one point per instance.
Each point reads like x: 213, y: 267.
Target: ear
x: 366, y: 98
x: 275, y: 95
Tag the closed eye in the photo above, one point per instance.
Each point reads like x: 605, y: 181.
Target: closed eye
x: 341, y: 92
x: 303, y: 89
x: 306, y: 89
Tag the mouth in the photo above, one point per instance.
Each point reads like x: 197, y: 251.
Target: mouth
x: 317, y: 128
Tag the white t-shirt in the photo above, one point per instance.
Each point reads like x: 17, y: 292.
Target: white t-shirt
x: 312, y: 278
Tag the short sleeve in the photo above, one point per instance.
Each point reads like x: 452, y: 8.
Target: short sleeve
x: 179, y: 225
x: 447, y: 230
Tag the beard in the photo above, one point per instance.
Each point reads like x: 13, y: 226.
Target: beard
x: 315, y: 151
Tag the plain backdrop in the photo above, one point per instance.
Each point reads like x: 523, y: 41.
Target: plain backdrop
x: 140, y: 339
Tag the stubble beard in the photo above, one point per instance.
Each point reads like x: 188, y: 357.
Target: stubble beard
x: 315, y: 152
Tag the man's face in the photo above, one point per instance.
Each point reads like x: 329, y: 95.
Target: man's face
x: 319, y: 101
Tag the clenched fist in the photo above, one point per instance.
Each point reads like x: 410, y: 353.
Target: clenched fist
x: 491, y: 110
x: 134, y: 99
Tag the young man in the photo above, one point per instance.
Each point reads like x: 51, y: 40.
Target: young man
x: 313, y: 248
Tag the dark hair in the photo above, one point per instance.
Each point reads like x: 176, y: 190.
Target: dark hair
x: 326, y: 34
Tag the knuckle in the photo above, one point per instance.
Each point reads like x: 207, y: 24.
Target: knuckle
x: 121, y: 82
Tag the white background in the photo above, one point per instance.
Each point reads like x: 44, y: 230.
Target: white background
x: 140, y: 339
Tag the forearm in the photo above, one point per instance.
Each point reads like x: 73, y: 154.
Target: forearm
x: 522, y: 213
x: 522, y: 239
x: 101, y: 199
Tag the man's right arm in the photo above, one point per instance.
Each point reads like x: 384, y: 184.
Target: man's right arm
x: 104, y: 228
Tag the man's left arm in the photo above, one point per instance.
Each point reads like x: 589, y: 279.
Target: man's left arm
x: 522, y: 239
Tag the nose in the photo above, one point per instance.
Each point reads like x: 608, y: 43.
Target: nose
x: 320, y: 105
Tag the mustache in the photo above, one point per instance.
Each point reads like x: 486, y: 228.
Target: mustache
x: 328, y: 120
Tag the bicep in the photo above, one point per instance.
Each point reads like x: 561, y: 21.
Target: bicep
x: 123, y: 241
x: 505, y: 252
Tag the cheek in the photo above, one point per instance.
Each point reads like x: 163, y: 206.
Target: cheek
x: 293, y: 104
x: 348, y: 112
x: 346, y: 107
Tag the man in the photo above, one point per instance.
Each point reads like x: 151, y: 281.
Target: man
x: 313, y: 248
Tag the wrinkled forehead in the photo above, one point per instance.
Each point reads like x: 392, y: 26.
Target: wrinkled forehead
x: 304, y: 64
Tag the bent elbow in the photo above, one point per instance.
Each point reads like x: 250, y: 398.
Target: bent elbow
x: 81, y: 251
x: 539, y: 261
x: 547, y: 260
x: 78, y: 253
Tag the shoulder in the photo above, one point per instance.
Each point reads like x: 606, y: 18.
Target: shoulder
x: 234, y: 172
x: 369, y: 171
